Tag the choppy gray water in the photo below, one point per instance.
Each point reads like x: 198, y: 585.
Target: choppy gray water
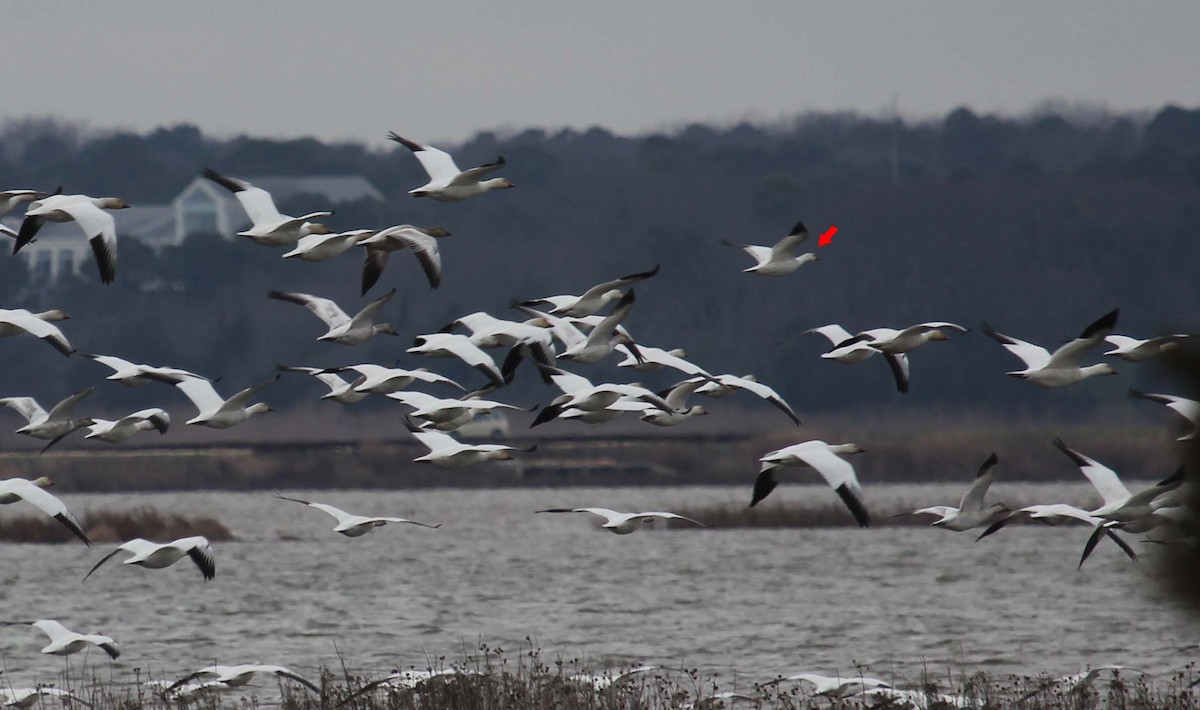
x: 754, y: 602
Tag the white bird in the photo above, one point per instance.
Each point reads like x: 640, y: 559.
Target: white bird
x: 64, y: 642
x: 339, y: 390
x: 601, y: 683
x: 115, y: 432
x: 134, y: 375
x: 354, y: 525
x: 9, y: 199
x: 653, y: 358
x: 676, y: 399
x: 603, y: 339
x: 446, y: 182
x: 319, y: 247
x: 853, y: 349
x: 27, y: 697
x: 725, y: 385
x: 240, y: 675
x: 159, y: 555
x: 377, y: 379
x: 839, y: 474
x: 1057, y: 514
x: 217, y: 412
x: 342, y: 328
x: 780, y: 259
x: 580, y: 394
x: 446, y: 414
x: 1189, y: 409
x: 1080, y: 682
x: 837, y: 687
x: 971, y: 512
x: 421, y: 241
x: 487, y: 331
x: 593, y: 299
x: 890, y: 340
x: 1120, y: 505
x: 88, y: 212
x: 623, y: 523
x: 269, y: 228
x: 1063, y: 367
x: 17, y: 489
x: 187, y: 691
x: 1135, y: 350
x: 447, y: 452
x: 52, y: 425
x: 18, y: 320
x: 458, y: 346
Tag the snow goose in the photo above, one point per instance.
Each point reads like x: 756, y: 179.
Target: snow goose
x: 342, y: 328
x: 9, y: 199
x: 593, y: 299
x: 16, y: 489
x: 134, y: 375
x: 1063, y: 367
x: 676, y: 399
x: 853, y: 349
x: 240, y: 675
x: 1120, y: 505
x: 623, y: 523
x: 216, y: 412
x: 157, y: 556
x: 52, y: 425
x: 377, y: 379
x: 836, y: 687
x: 354, y: 525
x: 656, y: 358
x: 602, y: 339
x: 971, y: 512
x: 780, y: 259
x: 823, y: 457
x: 24, y: 698
x: 446, y: 414
x: 339, y: 390
x: 579, y: 393
x: 319, y: 247
x: 890, y: 340
x: 446, y: 182
x: 269, y: 228
x: 64, y: 642
x: 725, y: 385
x: 447, y: 452
x: 421, y: 241
x: 88, y: 212
x: 1189, y: 409
x: 458, y: 346
x: 601, y: 683
x: 18, y: 320
x: 1080, y: 682
x: 524, y: 340
x: 115, y: 432
x: 1057, y: 514
x: 1135, y: 350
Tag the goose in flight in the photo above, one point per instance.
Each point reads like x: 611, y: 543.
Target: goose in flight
x: 354, y: 525
x: 1057, y: 514
x: 853, y: 349
x: 580, y: 394
x: 837, y: 687
x: 89, y: 213
x: 839, y: 474
x: 18, y: 320
x: 487, y: 331
x: 676, y: 399
x: 601, y: 683
x: 239, y: 675
x: 780, y: 259
x: 421, y: 241
x: 593, y: 299
x: 1120, y: 505
x: 342, y: 328
x: 447, y: 452
x: 115, y: 432
x: 52, y: 425
x: 377, y: 379
x: 319, y: 247
x: 725, y: 385
x: 24, y: 698
x: 601, y: 340
x: 446, y: 414
x: 9, y: 199
x: 64, y: 642
x: 1135, y: 350
x: 1063, y: 367
x: 971, y: 511
x: 1189, y: 409
x: 269, y: 228
x: 623, y: 523
x: 134, y: 375
x: 656, y: 358
x: 217, y: 412
x: 339, y: 390
x: 446, y: 182
x: 458, y: 346
x: 17, y: 489
x: 892, y: 341
x: 157, y: 556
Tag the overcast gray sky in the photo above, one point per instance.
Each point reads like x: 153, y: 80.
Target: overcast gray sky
x: 440, y: 71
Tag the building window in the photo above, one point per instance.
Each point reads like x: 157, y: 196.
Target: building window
x: 199, y: 214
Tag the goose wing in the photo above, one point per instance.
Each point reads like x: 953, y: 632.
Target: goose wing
x: 1071, y: 354
x: 101, y: 230
x: 473, y: 175
x: 25, y: 406
x: 760, y: 254
x: 63, y: 408
x: 256, y: 201
x: 972, y: 498
x: 338, y: 514
x: 238, y: 401
x: 603, y: 332
x: 787, y: 247
x: 840, y: 476
x: 202, y: 393
x: 898, y: 363
x: 667, y: 516
x: 600, y: 289
x: 433, y: 440
x: 200, y: 551
x: 763, y: 391
x: 38, y: 328
x: 835, y: 333
x: 437, y: 163
x: 158, y: 418
x: 367, y: 314
x: 1187, y: 408
x: 323, y: 308
x: 425, y: 248
x: 1035, y: 357
x: 46, y: 503
x: 1103, y: 479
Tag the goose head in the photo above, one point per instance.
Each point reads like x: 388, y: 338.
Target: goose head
x: 496, y: 183
x: 435, y: 231
x: 259, y: 408
x: 112, y: 203
x: 54, y: 314
x: 42, y: 482
x: 847, y: 449
x: 384, y: 328
x: 317, y: 228
x: 936, y: 335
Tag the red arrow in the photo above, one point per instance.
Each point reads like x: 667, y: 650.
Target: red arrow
x: 827, y: 237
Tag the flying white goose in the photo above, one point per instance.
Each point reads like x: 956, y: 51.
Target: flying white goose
x: 64, y: 642
x: 447, y: 452
x: 601, y: 340
x: 270, y: 228
x: 656, y: 358
x: 217, y: 412
x: 1057, y: 514
x: 1063, y: 367
x: 18, y: 320
x: 157, y: 556
x: 421, y: 241
x: 579, y: 393
x: 114, y: 432
x: 55, y: 424
x: 607, y: 414
x: 354, y: 525
x: 623, y: 523
x: 853, y: 349
x: 16, y: 489
x: 187, y: 691
x: 446, y: 182
x: 837, y: 687
x: 319, y: 247
x: 342, y: 328
x: 446, y: 414
x: 24, y: 698
x: 1135, y: 350
x: 1120, y: 505
x: 339, y: 390
x: 890, y: 340
x: 971, y: 512
x: 593, y: 299
x: 9, y: 199
x: 725, y: 385
x: 134, y: 375
x: 487, y: 331
x: 458, y: 346
x: 824, y: 458
x: 601, y: 683
x: 377, y: 379
x: 240, y: 675
x: 88, y: 212
x: 1189, y: 409
x: 780, y: 259
x: 676, y: 398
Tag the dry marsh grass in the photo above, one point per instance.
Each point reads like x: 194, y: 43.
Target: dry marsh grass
x: 114, y: 526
